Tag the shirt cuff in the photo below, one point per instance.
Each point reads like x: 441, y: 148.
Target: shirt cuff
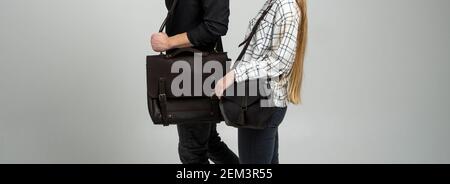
x: 240, y: 74
x: 192, y: 37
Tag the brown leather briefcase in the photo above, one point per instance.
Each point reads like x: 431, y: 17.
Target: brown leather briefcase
x: 167, y: 108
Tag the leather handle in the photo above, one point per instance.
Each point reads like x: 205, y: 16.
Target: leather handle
x: 169, y: 14
x: 185, y: 50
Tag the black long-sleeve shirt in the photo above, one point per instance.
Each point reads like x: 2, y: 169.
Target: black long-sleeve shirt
x: 205, y: 21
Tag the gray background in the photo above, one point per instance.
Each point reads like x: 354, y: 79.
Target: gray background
x: 72, y: 82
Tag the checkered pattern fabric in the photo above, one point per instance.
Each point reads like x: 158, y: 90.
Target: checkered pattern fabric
x: 272, y: 50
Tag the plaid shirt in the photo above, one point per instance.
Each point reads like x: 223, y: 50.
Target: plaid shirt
x: 272, y: 50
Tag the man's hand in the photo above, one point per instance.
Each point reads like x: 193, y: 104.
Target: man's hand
x: 160, y: 42
x: 224, y: 83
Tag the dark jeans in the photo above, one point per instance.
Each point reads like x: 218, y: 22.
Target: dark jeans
x: 261, y: 146
x: 200, y: 142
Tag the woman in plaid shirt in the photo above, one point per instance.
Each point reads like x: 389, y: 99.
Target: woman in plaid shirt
x: 277, y: 50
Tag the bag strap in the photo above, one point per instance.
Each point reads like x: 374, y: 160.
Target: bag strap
x: 165, y: 117
x: 252, y: 33
x: 247, y: 41
x: 218, y: 47
x: 169, y: 15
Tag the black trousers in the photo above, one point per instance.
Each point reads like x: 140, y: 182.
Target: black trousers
x: 200, y: 142
x: 261, y: 146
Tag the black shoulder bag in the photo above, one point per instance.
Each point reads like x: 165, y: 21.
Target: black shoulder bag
x: 242, y: 108
x: 164, y: 106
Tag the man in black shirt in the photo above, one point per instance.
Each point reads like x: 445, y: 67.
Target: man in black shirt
x: 195, y: 23
x: 198, y: 24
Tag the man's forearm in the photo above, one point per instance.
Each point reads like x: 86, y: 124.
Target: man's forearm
x: 179, y: 41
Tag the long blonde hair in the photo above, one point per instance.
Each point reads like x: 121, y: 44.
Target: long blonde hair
x: 296, y: 75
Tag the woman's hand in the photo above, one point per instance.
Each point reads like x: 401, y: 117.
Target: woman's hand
x: 160, y: 42
x: 224, y: 83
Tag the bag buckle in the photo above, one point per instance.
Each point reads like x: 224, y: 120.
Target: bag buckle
x: 162, y: 97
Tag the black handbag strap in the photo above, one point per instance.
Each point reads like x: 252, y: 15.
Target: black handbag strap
x: 219, y: 44
x: 252, y: 33
x: 247, y: 41
x: 169, y: 15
